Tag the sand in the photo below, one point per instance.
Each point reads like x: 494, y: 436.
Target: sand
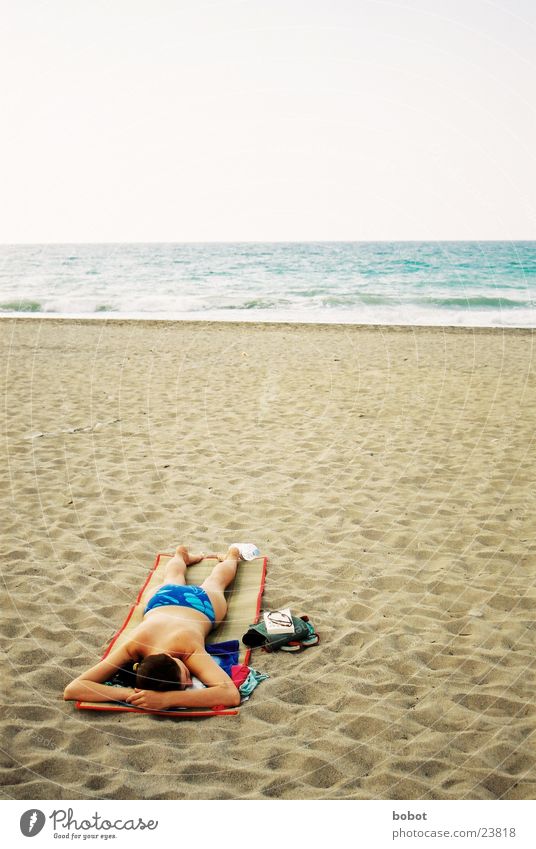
x: 388, y: 475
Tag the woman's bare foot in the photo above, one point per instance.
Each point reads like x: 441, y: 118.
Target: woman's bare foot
x: 232, y: 554
x: 189, y: 559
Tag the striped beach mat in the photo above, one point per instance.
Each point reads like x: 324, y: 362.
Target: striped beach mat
x: 244, y: 604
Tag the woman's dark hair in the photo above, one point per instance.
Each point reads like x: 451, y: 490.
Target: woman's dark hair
x: 158, y: 672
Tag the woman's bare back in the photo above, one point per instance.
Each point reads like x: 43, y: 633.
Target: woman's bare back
x: 171, y: 629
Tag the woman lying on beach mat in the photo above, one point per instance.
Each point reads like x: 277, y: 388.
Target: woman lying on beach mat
x: 168, y: 646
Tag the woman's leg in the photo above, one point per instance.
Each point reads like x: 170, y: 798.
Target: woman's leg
x: 175, y: 569
x: 219, y: 579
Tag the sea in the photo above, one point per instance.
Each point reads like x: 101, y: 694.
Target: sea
x: 469, y: 284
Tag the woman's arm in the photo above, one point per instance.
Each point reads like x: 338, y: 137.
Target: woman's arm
x: 226, y: 695
x: 219, y: 689
x: 91, y: 691
x: 89, y: 687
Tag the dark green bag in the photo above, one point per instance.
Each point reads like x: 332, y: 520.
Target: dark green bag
x: 304, y: 635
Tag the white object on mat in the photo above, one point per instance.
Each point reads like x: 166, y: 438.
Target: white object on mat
x: 247, y: 550
x: 279, y: 621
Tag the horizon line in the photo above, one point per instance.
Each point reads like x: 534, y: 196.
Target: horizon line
x: 264, y: 242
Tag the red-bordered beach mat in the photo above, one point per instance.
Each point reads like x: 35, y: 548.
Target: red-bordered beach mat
x: 244, y: 604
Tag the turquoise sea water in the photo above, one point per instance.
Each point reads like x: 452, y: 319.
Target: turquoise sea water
x: 419, y: 283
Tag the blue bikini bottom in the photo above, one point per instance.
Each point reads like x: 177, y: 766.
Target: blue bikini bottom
x: 182, y: 595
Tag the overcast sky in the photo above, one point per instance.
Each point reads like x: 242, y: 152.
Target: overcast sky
x: 167, y: 120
